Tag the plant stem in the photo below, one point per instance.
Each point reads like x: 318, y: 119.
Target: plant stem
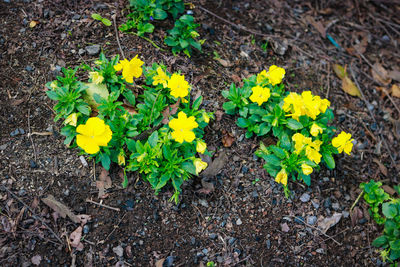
x: 148, y: 40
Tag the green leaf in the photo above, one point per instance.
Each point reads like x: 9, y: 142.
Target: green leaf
x: 229, y: 106
x: 264, y: 129
x: 394, y: 255
x: 294, y: 125
x: 125, y: 181
x: 389, y: 210
x: 242, y: 123
x: 52, y: 95
x: 285, y: 141
x: 153, y: 139
x: 183, y: 43
x: 84, y: 109
x: 170, y: 41
x: 329, y: 160
x: 189, y: 167
x: 225, y: 93
x: 306, y: 179
x: 106, y: 22
x: 380, y: 241
x: 395, y: 244
x: 243, y: 112
x: 197, y: 103
x: 128, y: 94
x: 272, y: 159
x: 97, y: 16
x: 105, y: 161
x: 131, y: 144
x: 148, y: 27
x: 187, y: 19
x: 279, y: 152
x: 160, y: 14
x: 163, y: 181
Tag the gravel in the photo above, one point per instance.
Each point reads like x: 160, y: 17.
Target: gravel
x: 305, y: 198
x: 93, y: 49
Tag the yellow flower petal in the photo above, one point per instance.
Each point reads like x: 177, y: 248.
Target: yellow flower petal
x: 201, y: 147
x: 315, y: 129
x: 260, y: 94
x: 200, y: 165
x: 87, y: 144
x: 307, y: 169
x: 178, y: 85
x: 92, y: 135
x: 281, y: 177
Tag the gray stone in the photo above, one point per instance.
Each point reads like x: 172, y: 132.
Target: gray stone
x: 203, y: 202
x: 239, y: 222
x: 335, y: 206
x: 346, y: 214
x: 205, y: 251
x: 81, y: 51
x: 119, y: 251
x: 305, y: 198
x: 311, y: 220
x: 315, y: 204
x: 93, y: 49
x: 213, y: 236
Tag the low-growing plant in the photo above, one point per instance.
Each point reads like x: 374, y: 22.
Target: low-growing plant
x: 298, y: 122
x: 181, y: 38
x: 385, y: 210
x: 98, y: 17
x: 141, y: 118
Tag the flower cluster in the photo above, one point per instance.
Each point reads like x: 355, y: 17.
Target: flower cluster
x: 298, y: 121
x: 304, y: 104
x: 154, y: 129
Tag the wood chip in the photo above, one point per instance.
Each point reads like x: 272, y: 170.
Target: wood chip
x: 60, y: 208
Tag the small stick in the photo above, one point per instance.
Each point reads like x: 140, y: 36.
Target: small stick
x: 41, y: 134
x: 116, y: 35
x: 33, y: 213
x: 373, y: 117
x: 115, y: 227
x: 30, y: 135
x: 329, y: 85
x: 148, y: 40
x: 391, y: 100
x: 355, y: 202
x: 316, y: 228
x: 240, y: 27
x: 102, y: 205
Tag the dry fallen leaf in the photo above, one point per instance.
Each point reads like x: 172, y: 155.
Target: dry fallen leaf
x: 60, y: 208
x: 339, y: 70
x: 382, y: 167
x: 217, y: 165
x: 327, y: 223
x: 218, y: 115
x: 223, y: 62
x: 395, y: 90
x: 103, y: 183
x: 349, y: 87
x: 160, y: 262
x: 131, y: 109
x: 317, y: 25
x: 227, y: 139
x: 33, y: 23
x: 380, y: 74
x: 389, y: 190
x: 395, y: 75
x: 169, y: 111
x: 75, y: 238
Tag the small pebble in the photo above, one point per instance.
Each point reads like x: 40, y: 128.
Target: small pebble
x: 305, y: 198
x: 231, y: 241
x: 245, y: 169
x: 299, y: 219
x: 311, y: 220
x: 335, y: 206
x: 93, y: 49
x: 346, y: 214
x: 119, y: 251
x: 128, y: 205
x: 239, y: 222
x: 268, y: 243
x: 327, y: 203
x: 28, y: 68
x: 254, y: 194
x: 315, y: 204
x: 33, y: 164
x: 86, y: 229
x: 205, y: 251
x: 362, y: 221
x: 169, y: 261
x: 213, y: 236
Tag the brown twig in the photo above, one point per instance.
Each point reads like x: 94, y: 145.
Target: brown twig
x: 30, y: 135
x: 36, y: 217
x: 373, y: 117
x: 115, y: 227
x: 116, y: 35
x: 240, y: 27
x: 102, y: 205
x: 315, y: 228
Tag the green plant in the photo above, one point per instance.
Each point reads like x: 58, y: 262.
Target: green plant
x: 382, y: 204
x: 183, y: 36
x: 98, y: 17
x: 138, y: 123
x: 298, y: 123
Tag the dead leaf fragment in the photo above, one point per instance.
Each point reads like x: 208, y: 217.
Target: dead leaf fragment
x: 395, y: 90
x: 60, y: 208
x: 216, y: 165
x: 395, y: 75
x: 317, y: 25
x: 285, y: 228
x: 33, y: 23
x: 36, y: 260
x: 349, y: 87
x: 380, y: 75
x: 169, y: 111
x: 382, y: 167
x: 103, y: 183
x: 389, y: 190
x: 339, y: 70
x: 75, y: 238
x: 227, y: 139
x: 327, y: 223
x: 160, y: 263
x: 224, y: 63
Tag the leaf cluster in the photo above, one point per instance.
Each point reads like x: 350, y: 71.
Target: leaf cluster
x: 385, y: 210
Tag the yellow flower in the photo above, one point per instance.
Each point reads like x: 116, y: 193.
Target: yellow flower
x: 183, y: 127
x: 96, y: 77
x: 307, y: 169
x: 325, y: 103
x: 275, y: 74
x: 260, y: 94
x: 161, y: 78
x: 315, y: 130
x: 262, y: 76
x: 200, y: 165
x: 306, y: 104
x: 121, y: 158
x: 179, y: 87
x: 343, y: 142
x: 201, y: 147
x: 130, y: 69
x: 300, y: 141
x: 71, y: 119
x: 281, y: 177
x: 206, y: 117
x: 313, y: 154
x: 92, y: 135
